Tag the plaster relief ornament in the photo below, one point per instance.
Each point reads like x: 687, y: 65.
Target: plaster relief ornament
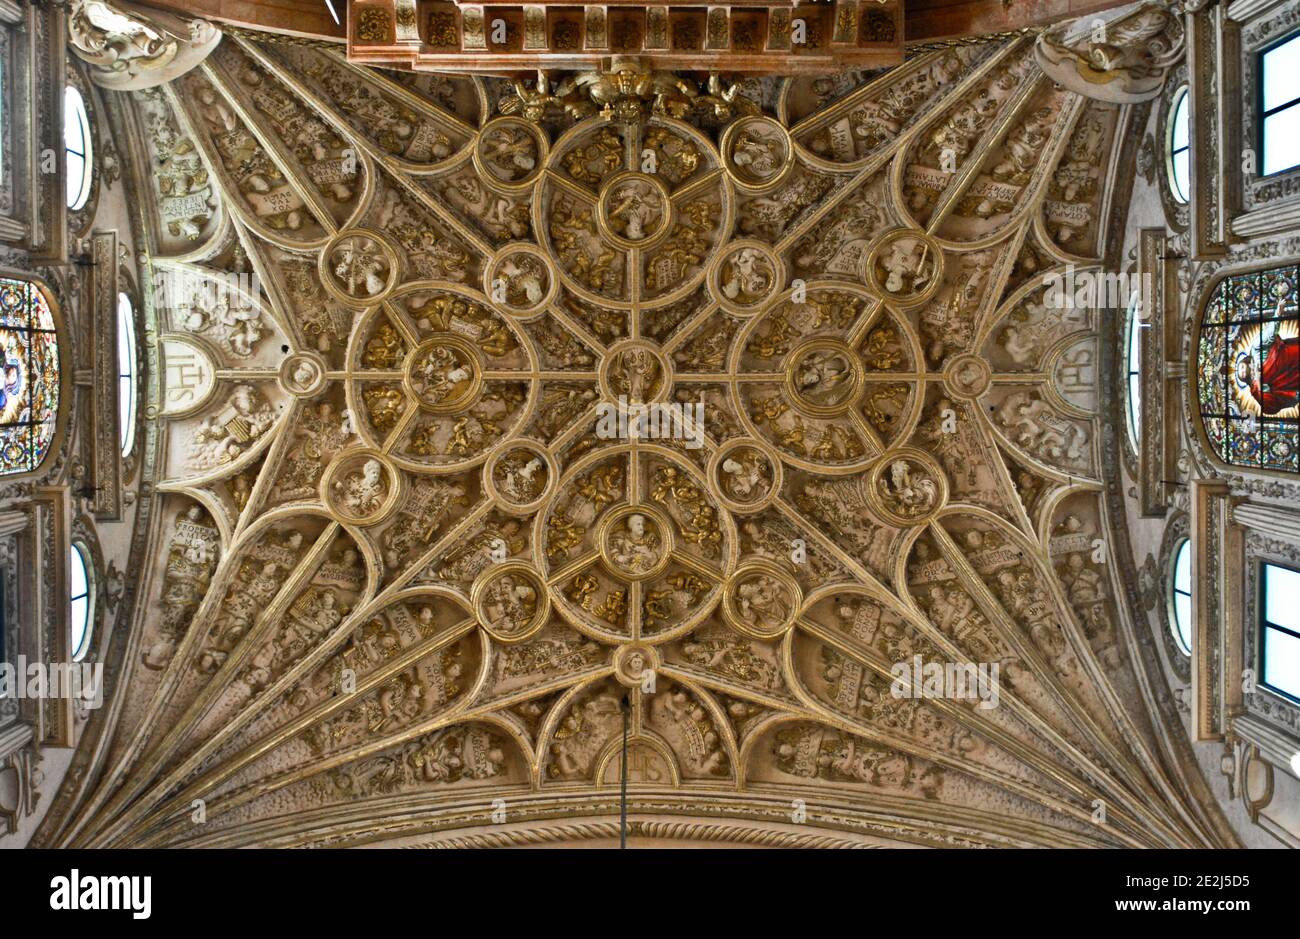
x: 635, y: 210
x: 511, y: 601
x: 905, y: 267
x: 757, y: 153
x: 360, y: 268
x: 223, y: 437
x: 1115, y: 55
x: 131, y: 51
x: 225, y: 315
x: 761, y: 599
x: 443, y: 373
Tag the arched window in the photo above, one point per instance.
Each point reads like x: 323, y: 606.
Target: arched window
x: 80, y: 598
x: 77, y: 147
x: 1133, y: 358
x: 1280, y: 629
x: 1248, y: 370
x: 126, y: 386
x: 1180, y: 148
x: 29, y: 376
x: 1180, y: 597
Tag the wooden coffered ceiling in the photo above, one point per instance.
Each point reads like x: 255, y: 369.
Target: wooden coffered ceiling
x: 923, y: 20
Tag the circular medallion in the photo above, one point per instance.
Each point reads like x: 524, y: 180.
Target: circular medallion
x: 761, y: 600
x: 635, y: 542
x: 510, y: 154
x: 519, y: 282
x: 746, y: 474
x: 905, y: 267
x: 302, y: 374
x: 635, y: 210
x: 443, y: 373
x: 757, y: 153
x: 906, y: 487
x: 967, y: 375
x: 361, y: 487
x: 633, y: 661
x: 823, y: 377
x: 510, y: 601
x: 520, y: 476
x: 359, y: 267
x: 746, y: 277
x: 635, y: 372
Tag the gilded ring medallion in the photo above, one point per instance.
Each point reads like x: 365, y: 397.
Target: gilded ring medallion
x: 443, y: 373
x: 746, y: 276
x: 905, y: 267
x: 746, y: 474
x: 302, y: 374
x: 761, y: 599
x: 906, y: 487
x: 757, y: 153
x: 510, y: 154
x: 824, y: 377
x: 362, y: 486
x: 636, y: 372
x: 520, y: 476
x: 635, y: 210
x: 635, y: 542
x: 359, y: 267
x: 967, y: 375
x: 632, y: 661
x: 519, y: 280
x: 510, y: 601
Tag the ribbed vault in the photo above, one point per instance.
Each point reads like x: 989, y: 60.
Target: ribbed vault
x: 402, y: 576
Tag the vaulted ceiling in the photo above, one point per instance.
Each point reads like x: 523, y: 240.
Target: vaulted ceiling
x: 402, y: 576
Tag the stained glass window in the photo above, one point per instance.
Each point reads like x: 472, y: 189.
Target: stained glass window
x: 1248, y: 369
x: 29, y: 377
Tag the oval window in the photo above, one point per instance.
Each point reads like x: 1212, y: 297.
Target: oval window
x: 1134, y: 368
x: 79, y: 599
x: 1180, y: 149
x: 1181, y: 597
x: 76, y: 146
x: 126, y: 382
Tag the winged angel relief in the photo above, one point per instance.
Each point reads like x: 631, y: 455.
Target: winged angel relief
x: 397, y: 573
